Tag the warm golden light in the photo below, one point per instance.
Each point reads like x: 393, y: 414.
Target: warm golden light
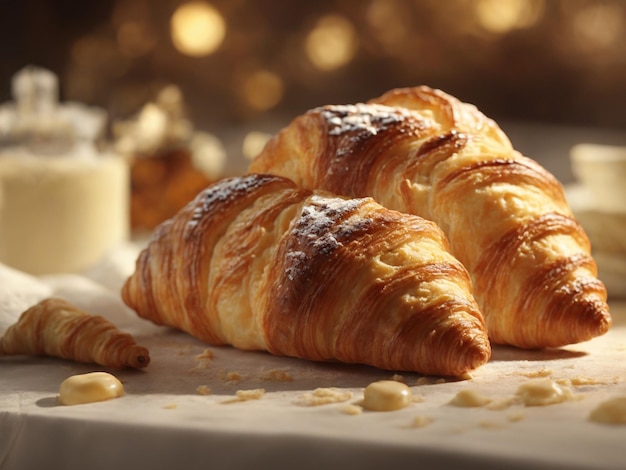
x: 381, y: 14
x: 332, y: 43
x: 253, y: 143
x: 135, y: 39
x: 599, y: 26
x: 197, y: 29
x: 262, y: 90
x: 502, y: 16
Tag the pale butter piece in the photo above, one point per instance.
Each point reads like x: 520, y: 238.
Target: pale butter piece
x: 612, y: 411
x: 541, y: 392
x: 386, y: 395
x: 470, y: 399
x: 90, y: 387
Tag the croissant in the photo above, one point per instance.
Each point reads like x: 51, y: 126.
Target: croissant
x: 260, y: 264
x: 54, y: 327
x: 422, y: 151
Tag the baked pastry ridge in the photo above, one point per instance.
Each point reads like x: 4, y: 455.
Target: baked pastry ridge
x: 55, y: 327
x: 261, y: 264
x: 421, y: 151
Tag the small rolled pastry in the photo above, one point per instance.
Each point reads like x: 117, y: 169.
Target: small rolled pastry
x: 54, y: 327
x: 260, y: 264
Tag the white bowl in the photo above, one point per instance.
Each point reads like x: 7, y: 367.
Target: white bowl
x: 602, y: 170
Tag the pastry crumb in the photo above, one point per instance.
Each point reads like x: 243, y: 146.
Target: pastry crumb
x: 430, y: 380
x: 421, y: 421
x: 582, y: 381
x: 203, y: 390
x: 278, y: 375
x: 207, y: 354
x: 231, y: 376
x: 254, y: 394
x: 351, y: 409
x: 417, y: 399
x: 398, y: 378
x: 170, y: 406
x: 535, y: 374
x: 516, y: 417
x: 246, y: 395
x: 325, y: 396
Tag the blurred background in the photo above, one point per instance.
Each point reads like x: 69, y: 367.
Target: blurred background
x: 551, y: 72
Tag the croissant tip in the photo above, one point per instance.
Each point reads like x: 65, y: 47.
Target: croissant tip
x: 138, y: 357
x: 594, y: 319
x: 476, y: 356
x: 602, y: 323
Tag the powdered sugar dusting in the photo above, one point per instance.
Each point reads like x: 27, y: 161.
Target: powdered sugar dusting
x: 361, y: 118
x: 324, y: 224
x: 224, y: 191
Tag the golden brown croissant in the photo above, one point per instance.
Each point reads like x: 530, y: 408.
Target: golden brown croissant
x: 54, y: 327
x: 422, y: 151
x: 258, y: 263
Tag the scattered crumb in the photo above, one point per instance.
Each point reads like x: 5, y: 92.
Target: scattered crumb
x: 398, y: 378
x: 170, y: 406
x: 466, y: 376
x: 325, y: 396
x: 516, y: 416
x: 203, y: 390
x: 207, y: 354
x: 417, y: 399
x: 534, y: 374
x: 351, y: 409
x: 421, y: 421
x: 470, y: 399
x: 430, y: 380
x: 277, y: 375
x: 246, y: 395
x: 255, y: 394
x: 581, y: 381
x: 204, y: 360
x: 231, y: 376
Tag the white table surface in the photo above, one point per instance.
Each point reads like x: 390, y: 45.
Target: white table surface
x: 162, y: 422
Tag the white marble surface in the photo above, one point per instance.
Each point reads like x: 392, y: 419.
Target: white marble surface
x: 162, y: 422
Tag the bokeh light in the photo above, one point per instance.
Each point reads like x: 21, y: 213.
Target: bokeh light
x: 502, y: 16
x: 262, y: 90
x: 599, y: 26
x: 253, y: 143
x: 332, y: 43
x: 197, y: 28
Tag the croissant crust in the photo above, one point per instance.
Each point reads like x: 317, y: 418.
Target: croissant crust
x: 422, y: 151
x: 54, y: 327
x: 258, y: 263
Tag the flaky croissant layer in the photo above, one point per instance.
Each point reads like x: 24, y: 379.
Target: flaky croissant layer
x: 258, y: 263
x: 55, y: 327
x: 422, y: 151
